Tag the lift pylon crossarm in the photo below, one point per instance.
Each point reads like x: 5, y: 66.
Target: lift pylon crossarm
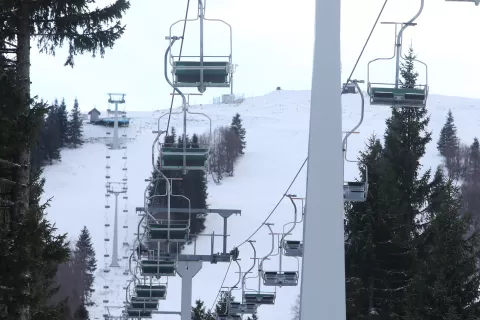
x: 477, y: 2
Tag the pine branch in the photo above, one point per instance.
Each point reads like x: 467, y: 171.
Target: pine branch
x: 6, y: 203
x: 4, y: 181
x: 8, y: 164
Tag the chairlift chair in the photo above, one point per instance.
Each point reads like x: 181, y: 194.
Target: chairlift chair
x: 158, y: 292
x: 280, y: 279
x: 242, y: 308
x: 139, y: 313
x: 160, y: 230
x: 394, y: 94
x: 293, y: 248
x: 144, y: 303
x: 157, y: 268
x: 259, y: 298
x: 196, y: 71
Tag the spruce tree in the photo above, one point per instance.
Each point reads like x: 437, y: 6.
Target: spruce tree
x: 405, y: 143
x: 84, y: 256
x: 471, y: 182
x: 450, y: 273
x: 81, y: 313
x: 449, y: 146
x: 237, y: 127
x: 369, y: 231
x: 75, y: 126
x: 51, y: 135
x: 199, y: 312
x: 62, y: 115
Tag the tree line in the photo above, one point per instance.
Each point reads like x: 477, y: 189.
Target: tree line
x: 193, y: 185
x: 58, y: 129
x: 33, y: 255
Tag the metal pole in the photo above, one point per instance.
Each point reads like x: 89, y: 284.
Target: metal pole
x: 201, y: 16
x: 399, y: 43
x: 115, y: 128
x: 115, y: 236
x: 187, y: 270
x: 323, y: 270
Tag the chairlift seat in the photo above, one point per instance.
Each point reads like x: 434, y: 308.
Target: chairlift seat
x: 215, y: 73
x: 158, y: 292
x: 144, y: 303
x: 229, y: 317
x: 172, y: 158
x: 178, y: 231
x: 398, y: 96
x: 293, y: 248
x: 280, y: 279
x: 157, y: 268
x: 139, y: 313
x: 355, y: 191
x: 242, y: 308
x: 259, y: 298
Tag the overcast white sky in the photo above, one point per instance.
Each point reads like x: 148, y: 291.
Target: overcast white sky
x: 272, y: 45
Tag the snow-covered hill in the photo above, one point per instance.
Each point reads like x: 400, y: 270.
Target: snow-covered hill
x: 277, y: 134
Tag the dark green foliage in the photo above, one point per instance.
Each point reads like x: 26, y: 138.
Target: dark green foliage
x: 75, y: 126
x: 447, y: 265
x: 369, y: 232
x: 409, y: 252
x: 81, y: 313
x: 471, y: 181
x: 51, y: 138
x: 449, y: 147
x: 407, y: 70
x: 62, y: 117
x: 237, y: 127
x: 29, y: 247
x: 84, y: 257
x: 199, y: 312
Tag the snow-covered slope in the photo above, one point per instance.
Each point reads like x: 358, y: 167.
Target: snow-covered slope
x: 277, y: 134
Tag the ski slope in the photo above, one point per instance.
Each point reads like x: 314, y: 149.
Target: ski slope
x: 277, y: 134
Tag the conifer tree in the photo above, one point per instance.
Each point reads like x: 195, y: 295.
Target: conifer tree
x: 199, y: 312
x: 449, y: 146
x: 449, y: 271
x: 51, y: 135
x: 405, y: 143
x: 368, y: 232
x: 237, y: 127
x: 81, y: 313
x: 84, y: 256
x: 62, y: 115
x: 471, y: 183
x: 75, y: 126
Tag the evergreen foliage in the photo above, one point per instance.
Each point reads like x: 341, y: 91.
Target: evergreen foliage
x: 409, y: 251
x: 237, y: 127
x: 199, y: 312
x: 84, y: 256
x: 75, y: 126
x: 449, y: 146
x: 62, y: 118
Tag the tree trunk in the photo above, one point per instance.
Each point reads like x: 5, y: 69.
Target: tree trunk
x: 22, y: 191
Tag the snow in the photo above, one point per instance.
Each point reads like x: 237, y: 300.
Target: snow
x: 277, y: 135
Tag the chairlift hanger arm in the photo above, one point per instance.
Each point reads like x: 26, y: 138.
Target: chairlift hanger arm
x: 361, y: 117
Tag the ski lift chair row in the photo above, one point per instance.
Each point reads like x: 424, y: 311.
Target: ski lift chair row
x: 280, y: 279
x: 158, y: 292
